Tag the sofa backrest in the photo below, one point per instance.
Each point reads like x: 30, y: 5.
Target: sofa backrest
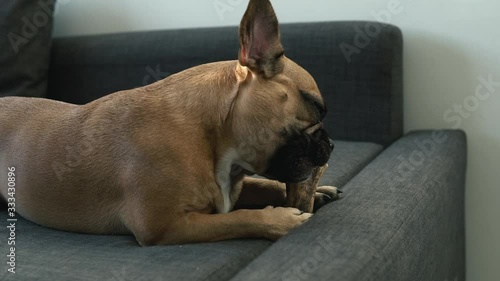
x: 357, y: 65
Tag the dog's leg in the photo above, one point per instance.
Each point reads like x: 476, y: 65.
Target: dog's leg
x: 194, y: 227
x: 259, y: 193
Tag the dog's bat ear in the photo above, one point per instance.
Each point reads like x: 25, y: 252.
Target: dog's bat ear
x: 260, y: 43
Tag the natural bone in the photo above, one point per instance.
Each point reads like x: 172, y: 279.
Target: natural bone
x: 301, y: 195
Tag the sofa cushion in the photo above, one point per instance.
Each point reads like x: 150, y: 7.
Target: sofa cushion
x: 26, y: 32
x: 47, y: 254
x: 347, y: 160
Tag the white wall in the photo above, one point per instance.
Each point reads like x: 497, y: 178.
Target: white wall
x: 448, y: 45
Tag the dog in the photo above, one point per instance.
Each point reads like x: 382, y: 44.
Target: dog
x: 170, y: 163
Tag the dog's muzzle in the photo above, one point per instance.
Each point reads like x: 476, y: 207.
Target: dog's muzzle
x: 294, y: 161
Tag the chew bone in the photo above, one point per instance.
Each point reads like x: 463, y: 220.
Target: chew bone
x: 301, y: 195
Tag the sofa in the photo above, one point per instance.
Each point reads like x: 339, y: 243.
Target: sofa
x: 401, y: 216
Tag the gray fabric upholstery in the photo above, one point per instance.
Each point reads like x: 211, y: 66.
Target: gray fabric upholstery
x: 363, y: 93
x: 397, y: 221
x: 347, y: 159
x: 46, y: 254
x: 25, y: 42
x: 49, y: 255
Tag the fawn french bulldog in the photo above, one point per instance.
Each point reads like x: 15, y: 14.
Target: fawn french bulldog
x: 169, y: 162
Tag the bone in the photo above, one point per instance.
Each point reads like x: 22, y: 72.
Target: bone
x: 301, y: 195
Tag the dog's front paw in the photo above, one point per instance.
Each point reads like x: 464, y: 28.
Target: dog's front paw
x: 281, y: 220
x: 325, y: 195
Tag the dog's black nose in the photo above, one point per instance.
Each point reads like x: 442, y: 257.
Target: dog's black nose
x: 331, y: 144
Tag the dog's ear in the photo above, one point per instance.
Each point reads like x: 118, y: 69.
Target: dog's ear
x: 260, y: 43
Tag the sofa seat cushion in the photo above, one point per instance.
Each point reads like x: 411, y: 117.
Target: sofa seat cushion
x: 347, y: 160
x: 48, y: 254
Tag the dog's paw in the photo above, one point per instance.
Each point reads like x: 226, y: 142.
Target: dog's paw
x: 281, y: 220
x: 325, y: 195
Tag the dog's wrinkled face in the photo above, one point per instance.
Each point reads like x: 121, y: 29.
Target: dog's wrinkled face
x: 279, y: 95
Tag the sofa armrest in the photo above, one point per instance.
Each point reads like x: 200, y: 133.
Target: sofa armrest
x: 402, y: 218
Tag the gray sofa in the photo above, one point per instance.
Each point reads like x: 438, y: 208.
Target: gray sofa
x: 402, y: 213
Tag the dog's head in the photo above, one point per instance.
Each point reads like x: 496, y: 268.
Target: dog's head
x: 278, y: 103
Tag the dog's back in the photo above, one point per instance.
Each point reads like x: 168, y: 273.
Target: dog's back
x: 18, y: 113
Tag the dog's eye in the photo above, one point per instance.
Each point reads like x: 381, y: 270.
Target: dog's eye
x: 315, y: 104
x: 320, y: 109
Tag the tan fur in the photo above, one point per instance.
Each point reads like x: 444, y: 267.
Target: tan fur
x: 146, y: 161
